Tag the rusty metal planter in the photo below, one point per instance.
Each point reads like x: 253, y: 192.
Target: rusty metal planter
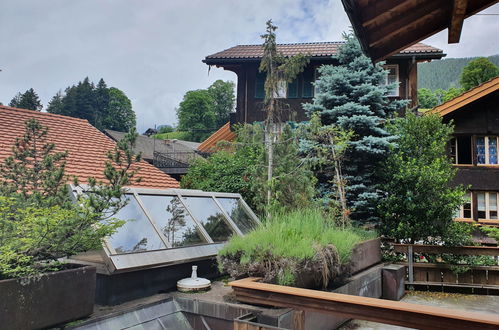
x: 48, y: 299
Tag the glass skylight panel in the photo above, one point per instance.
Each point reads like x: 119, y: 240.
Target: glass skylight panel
x: 173, y: 219
x: 137, y: 234
x: 206, y: 211
x: 237, y: 213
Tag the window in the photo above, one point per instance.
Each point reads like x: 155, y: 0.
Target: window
x: 236, y: 211
x: 308, y: 83
x: 487, y: 205
x: 392, y: 78
x: 137, y: 234
x: 460, y: 150
x: 486, y: 150
x: 465, y: 211
x: 293, y: 90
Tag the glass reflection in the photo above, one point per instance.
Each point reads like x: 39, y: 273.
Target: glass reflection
x: 173, y: 219
x: 237, y: 213
x: 137, y: 234
x: 205, y: 210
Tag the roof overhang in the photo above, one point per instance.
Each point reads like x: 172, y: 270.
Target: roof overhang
x: 385, y: 27
x: 466, y: 98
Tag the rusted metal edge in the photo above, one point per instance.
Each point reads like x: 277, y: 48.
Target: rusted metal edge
x: 249, y: 290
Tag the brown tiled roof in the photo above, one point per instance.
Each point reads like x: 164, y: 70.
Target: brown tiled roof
x: 223, y: 134
x: 314, y: 49
x: 87, y: 146
x: 467, y: 97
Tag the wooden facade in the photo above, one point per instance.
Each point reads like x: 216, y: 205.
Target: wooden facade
x: 475, y: 115
x: 249, y: 106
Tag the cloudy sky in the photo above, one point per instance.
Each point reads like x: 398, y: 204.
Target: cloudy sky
x: 152, y: 50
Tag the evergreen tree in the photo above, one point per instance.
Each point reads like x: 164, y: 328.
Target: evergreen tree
x: 222, y: 93
x: 56, y: 104
x: 350, y: 97
x: 478, y: 71
x: 27, y: 100
x: 35, y: 171
x: 103, y: 107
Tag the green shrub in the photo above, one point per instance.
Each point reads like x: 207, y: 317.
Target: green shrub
x: 179, y: 135
x: 289, y: 239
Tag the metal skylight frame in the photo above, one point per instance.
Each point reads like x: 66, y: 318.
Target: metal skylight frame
x: 123, y: 262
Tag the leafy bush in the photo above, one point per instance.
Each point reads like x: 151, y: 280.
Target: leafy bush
x: 39, y: 221
x: 288, y: 244
x: 419, y: 202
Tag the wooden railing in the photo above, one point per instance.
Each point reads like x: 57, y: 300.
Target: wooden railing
x: 249, y: 290
x: 484, y: 277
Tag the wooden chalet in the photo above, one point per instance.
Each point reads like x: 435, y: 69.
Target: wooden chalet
x: 474, y: 147
x: 385, y: 27
x: 244, y: 60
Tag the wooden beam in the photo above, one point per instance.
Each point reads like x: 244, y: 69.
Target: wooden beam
x: 425, y: 14
x: 361, y: 308
x: 457, y: 19
x: 383, y: 10
x: 438, y: 249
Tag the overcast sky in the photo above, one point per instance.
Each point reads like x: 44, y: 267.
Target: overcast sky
x: 152, y: 50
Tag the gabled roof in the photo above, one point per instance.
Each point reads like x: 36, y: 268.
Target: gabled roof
x: 385, y: 27
x: 224, y: 133
x: 313, y: 49
x: 147, y: 145
x: 87, y: 146
x: 467, y: 97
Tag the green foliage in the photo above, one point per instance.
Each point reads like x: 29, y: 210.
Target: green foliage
x: 427, y: 98
x: 350, y: 97
x: 34, y: 171
x: 166, y: 129
x: 478, y: 71
x: 103, y: 107
x: 39, y: 221
x: 27, y: 100
x: 222, y: 93
x: 196, y: 114
x: 492, y: 232
x: 445, y: 73
x: 288, y: 243
x: 179, y: 135
x: 203, y: 111
x: 243, y: 170
x: 419, y: 202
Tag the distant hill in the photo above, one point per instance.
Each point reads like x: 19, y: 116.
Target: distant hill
x: 445, y: 73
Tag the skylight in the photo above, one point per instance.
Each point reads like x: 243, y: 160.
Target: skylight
x: 174, y: 225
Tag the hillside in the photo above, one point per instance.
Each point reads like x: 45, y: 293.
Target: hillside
x: 444, y: 73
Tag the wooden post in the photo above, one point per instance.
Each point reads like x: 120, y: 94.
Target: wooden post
x: 410, y: 260
x: 298, y: 320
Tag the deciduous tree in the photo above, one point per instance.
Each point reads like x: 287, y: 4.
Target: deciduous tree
x: 478, y: 71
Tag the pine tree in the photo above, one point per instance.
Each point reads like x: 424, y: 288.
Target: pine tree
x: 35, y: 171
x: 56, y: 104
x: 101, y: 106
x: 280, y: 71
x: 27, y: 100
x: 350, y: 96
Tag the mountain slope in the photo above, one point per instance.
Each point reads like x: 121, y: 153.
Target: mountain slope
x: 445, y: 73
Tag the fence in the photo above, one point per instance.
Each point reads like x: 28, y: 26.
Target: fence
x: 485, y: 278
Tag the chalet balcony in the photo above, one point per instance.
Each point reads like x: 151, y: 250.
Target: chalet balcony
x: 174, y: 162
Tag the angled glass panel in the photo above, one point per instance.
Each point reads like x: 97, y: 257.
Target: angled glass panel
x: 173, y: 219
x: 137, y: 234
x: 238, y: 214
x: 206, y: 211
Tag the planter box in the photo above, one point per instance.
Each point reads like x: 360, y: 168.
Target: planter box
x: 364, y: 255
x: 48, y: 299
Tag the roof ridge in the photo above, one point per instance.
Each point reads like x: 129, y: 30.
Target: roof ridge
x: 296, y: 43
x: 48, y: 114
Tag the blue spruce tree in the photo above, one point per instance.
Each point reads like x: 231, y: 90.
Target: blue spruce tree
x: 349, y: 95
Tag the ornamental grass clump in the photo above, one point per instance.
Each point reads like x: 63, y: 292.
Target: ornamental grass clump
x: 301, y: 248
